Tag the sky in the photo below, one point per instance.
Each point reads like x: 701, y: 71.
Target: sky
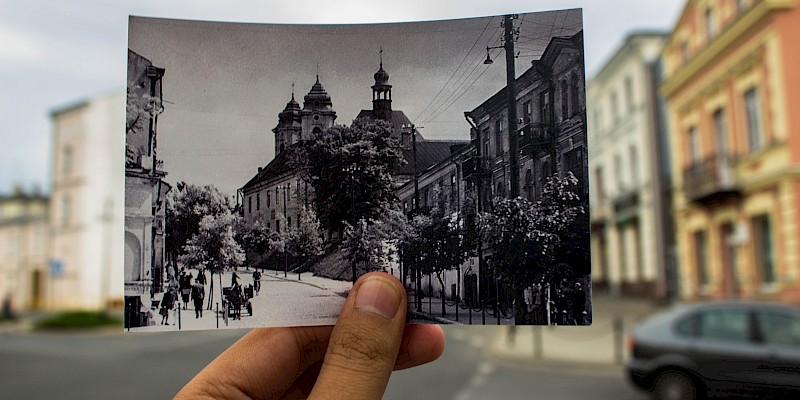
x: 55, y: 53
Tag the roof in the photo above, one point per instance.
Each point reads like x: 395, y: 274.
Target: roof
x: 397, y: 118
x: 429, y: 153
x: 277, y: 167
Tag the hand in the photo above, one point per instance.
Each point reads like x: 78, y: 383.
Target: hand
x: 352, y: 360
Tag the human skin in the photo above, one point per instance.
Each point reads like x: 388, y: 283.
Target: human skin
x: 351, y: 360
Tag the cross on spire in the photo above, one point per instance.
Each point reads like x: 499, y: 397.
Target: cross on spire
x: 317, y: 72
x: 292, y: 90
x: 381, y: 55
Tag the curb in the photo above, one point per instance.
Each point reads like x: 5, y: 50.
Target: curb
x: 438, y: 320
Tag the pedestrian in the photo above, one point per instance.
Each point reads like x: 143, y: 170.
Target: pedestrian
x: 350, y: 361
x: 579, y: 304
x: 234, y: 279
x: 167, y: 303
x: 257, y: 281
x: 198, y: 294
x: 186, y: 288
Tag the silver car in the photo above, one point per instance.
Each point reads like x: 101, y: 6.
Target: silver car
x: 732, y: 348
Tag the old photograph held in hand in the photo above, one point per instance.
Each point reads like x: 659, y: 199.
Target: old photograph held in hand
x: 269, y: 166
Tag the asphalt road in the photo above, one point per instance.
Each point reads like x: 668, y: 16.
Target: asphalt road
x: 157, y: 365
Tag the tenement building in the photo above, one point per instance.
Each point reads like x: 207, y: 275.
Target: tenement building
x: 629, y: 247
x: 731, y: 84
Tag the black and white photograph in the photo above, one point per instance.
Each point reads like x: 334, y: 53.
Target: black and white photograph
x: 268, y: 166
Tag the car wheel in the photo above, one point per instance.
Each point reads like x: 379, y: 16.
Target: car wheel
x: 674, y: 385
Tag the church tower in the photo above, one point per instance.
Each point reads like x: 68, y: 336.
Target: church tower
x: 288, y: 130
x: 318, y: 113
x: 382, y: 93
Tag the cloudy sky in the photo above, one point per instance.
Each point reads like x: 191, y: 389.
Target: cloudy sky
x: 54, y: 53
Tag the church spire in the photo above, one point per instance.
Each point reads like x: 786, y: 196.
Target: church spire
x: 382, y: 91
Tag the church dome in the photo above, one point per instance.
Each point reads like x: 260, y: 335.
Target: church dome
x: 292, y: 105
x: 381, y: 77
x: 317, y: 97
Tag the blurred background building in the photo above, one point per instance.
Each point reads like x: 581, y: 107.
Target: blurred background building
x: 732, y: 87
x: 629, y: 242
x: 87, y: 203
x: 24, y: 248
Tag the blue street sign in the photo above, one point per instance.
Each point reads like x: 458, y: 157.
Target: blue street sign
x: 56, y: 268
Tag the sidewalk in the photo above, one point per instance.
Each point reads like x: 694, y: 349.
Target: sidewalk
x: 602, y: 343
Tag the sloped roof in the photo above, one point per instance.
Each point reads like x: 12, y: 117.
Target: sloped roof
x: 277, y: 167
x: 429, y: 153
x: 397, y: 119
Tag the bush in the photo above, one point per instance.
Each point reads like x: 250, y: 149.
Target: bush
x: 79, y: 320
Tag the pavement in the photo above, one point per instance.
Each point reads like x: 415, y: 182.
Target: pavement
x: 602, y: 343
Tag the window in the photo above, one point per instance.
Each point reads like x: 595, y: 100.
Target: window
x: 501, y: 190
x: 576, y: 93
x: 485, y: 143
x: 268, y: 200
x: 529, y: 185
x: 614, y: 105
x: 66, y: 162
x: 629, y: 93
x: 66, y: 210
x: 753, y: 115
x: 724, y: 325
x: 564, y: 100
x: 720, y: 131
x: 711, y: 23
x: 288, y: 222
x: 258, y: 201
x: 272, y: 214
x: 765, y: 256
x: 684, y: 51
x: 249, y: 204
x: 278, y: 226
x: 635, y: 167
x: 620, y: 181
x: 740, y: 6
x: 544, y: 107
x: 701, y: 257
x: 526, y: 112
x: 598, y: 183
x: 779, y: 329
x: 498, y: 137
x: 573, y: 160
x: 694, y: 145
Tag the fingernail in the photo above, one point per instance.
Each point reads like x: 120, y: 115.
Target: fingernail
x: 379, y: 297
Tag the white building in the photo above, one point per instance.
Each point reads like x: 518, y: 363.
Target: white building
x: 627, y: 253
x: 87, y: 203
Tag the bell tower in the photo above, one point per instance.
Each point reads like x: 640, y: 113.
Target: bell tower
x: 288, y: 130
x: 382, y: 93
x: 318, y: 113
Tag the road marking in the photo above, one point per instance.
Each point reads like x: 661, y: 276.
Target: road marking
x: 478, y: 379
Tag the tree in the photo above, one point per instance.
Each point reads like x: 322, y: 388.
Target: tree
x: 436, y: 244
x: 214, y: 247
x: 187, y: 205
x: 305, y: 241
x: 528, y: 239
x: 257, y: 239
x: 349, y: 169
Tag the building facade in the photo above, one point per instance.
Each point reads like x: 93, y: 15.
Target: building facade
x: 628, y: 253
x: 24, y: 250
x: 145, y: 189
x: 86, y: 204
x: 551, y: 105
x: 730, y: 78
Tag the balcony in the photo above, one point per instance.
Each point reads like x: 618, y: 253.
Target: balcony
x: 474, y: 167
x: 711, y: 180
x: 626, y: 206
x: 535, y: 137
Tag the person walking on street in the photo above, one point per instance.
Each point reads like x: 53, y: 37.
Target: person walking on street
x: 198, y: 294
x: 167, y: 303
x: 257, y: 281
x: 185, y: 284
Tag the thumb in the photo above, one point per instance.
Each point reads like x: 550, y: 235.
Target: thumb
x: 365, y: 342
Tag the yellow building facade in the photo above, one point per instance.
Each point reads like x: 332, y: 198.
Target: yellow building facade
x: 732, y: 91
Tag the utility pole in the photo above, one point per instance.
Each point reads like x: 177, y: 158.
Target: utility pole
x: 511, y: 93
